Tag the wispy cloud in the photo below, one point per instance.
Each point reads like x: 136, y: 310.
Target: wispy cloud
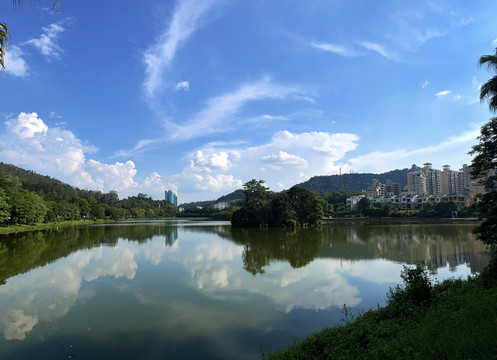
x: 380, y: 49
x: 425, y: 84
x: 182, y: 86
x: 450, y: 151
x: 442, y: 93
x: 335, y: 49
x: 221, y: 110
x: 184, y: 22
x: 47, y: 43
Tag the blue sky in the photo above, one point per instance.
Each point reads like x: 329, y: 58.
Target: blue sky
x: 201, y: 96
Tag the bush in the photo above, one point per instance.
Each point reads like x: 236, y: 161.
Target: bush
x: 416, y: 291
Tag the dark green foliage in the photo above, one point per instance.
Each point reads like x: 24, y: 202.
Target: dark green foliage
x: 456, y: 320
x: 415, y: 291
x: 27, y: 198
x: 260, y: 207
x: 352, y: 182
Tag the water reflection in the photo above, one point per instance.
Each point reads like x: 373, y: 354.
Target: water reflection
x: 187, y: 282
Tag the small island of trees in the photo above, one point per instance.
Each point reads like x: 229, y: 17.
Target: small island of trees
x: 297, y: 206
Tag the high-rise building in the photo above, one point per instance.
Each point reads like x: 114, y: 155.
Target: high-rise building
x: 416, y: 183
x: 450, y: 181
x: 433, y: 179
x: 172, y: 197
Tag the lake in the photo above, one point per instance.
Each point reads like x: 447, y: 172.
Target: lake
x: 189, y: 290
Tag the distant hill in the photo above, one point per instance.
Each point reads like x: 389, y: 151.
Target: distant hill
x: 46, y: 186
x: 231, y: 197
x: 353, y: 182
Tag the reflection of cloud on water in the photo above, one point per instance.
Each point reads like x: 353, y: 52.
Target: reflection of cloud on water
x: 217, y: 267
x: 49, y: 292
x: 377, y: 271
x: 118, y: 262
x: 18, y: 324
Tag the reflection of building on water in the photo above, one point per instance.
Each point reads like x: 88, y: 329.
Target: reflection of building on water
x: 475, y: 261
x: 171, y: 237
x: 433, y: 248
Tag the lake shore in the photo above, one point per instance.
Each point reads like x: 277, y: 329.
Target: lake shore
x: 14, y: 229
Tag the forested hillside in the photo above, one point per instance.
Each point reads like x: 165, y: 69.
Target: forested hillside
x: 27, y: 197
x: 353, y: 182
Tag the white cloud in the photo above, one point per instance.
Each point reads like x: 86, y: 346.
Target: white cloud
x: 298, y: 155
x: 283, y: 158
x: 457, y: 97
x: 27, y: 141
x: 335, y: 49
x: 442, y: 93
x: 380, y: 49
x: 182, y: 86
x: 218, y: 114
x: 47, y: 44
x: 15, y: 63
x: 184, y: 22
x: 425, y: 84
x: 27, y: 125
x: 449, y: 151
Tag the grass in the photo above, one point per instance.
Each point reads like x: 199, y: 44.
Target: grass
x: 456, y: 319
x: 12, y: 229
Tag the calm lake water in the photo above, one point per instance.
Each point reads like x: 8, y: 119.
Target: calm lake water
x: 202, y: 290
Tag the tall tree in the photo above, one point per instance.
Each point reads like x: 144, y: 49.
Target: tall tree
x: 488, y: 91
x: 485, y: 161
x: 484, y: 167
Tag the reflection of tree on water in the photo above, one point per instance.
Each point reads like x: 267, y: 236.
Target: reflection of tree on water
x: 298, y: 247
x: 433, y: 246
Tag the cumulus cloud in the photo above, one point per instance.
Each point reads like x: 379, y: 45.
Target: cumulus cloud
x: 283, y: 158
x: 27, y: 141
x: 299, y: 155
x: 15, y: 64
x: 47, y: 43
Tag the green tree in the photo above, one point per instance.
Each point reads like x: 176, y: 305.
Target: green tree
x: 485, y: 160
x: 4, y: 206
x: 255, y: 209
x: 483, y: 166
x: 306, y: 205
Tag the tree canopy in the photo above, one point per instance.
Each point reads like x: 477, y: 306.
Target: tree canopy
x: 484, y: 163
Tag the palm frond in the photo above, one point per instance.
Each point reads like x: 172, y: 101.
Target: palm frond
x: 4, y: 42
x: 489, y: 60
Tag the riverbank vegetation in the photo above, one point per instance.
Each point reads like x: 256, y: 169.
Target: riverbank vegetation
x: 455, y: 319
x: 27, y: 198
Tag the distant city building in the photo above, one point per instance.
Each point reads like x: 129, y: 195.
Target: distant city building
x: 172, y: 197
x: 416, y: 183
x: 379, y: 189
x: 450, y: 181
x: 353, y: 201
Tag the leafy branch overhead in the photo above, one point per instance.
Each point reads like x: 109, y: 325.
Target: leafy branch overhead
x: 5, y: 35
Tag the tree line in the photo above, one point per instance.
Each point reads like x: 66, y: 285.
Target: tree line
x: 21, y: 206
